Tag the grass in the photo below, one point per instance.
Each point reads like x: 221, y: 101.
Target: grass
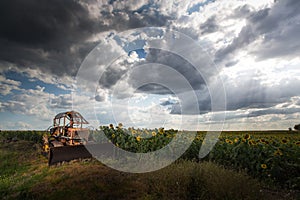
x: 24, y: 174
x: 191, y: 180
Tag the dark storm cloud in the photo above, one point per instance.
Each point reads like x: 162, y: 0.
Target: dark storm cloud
x: 111, y: 76
x: 231, y: 63
x: 279, y: 26
x: 168, y: 62
x: 277, y: 111
x: 175, y: 62
x: 168, y: 102
x: 61, y: 101
x: 154, y: 88
x: 163, y: 72
x: 41, y: 33
x: 52, y: 35
x: 264, y: 112
x: 204, y: 107
x: 246, y: 94
x: 209, y: 26
x: 124, y: 19
x: 186, y: 104
x: 251, y: 93
x: 43, y: 23
x: 189, y: 31
x: 245, y: 37
x: 260, y: 15
x: 242, y: 11
x: 99, y: 98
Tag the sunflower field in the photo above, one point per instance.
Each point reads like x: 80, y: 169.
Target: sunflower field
x: 272, y: 157
x: 33, y: 136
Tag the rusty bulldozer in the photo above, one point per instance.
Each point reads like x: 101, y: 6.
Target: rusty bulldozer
x: 66, y: 138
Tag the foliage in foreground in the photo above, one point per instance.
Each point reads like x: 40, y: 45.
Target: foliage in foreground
x: 25, y: 175
x: 33, y: 136
x: 271, y: 157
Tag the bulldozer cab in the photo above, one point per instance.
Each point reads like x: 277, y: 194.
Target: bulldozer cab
x: 67, y: 120
x: 67, y: 138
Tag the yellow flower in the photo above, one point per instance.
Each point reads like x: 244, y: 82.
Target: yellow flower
x: 228, y: 141
x: 198, y: 137
x: 138, y: 138
x: 247, y: 137
x: 111, y: 126
x: 252, y: 142
x: 113, y: 135
x: 161, y: 131
x: 284, y: 141
x: 153, y: 133
x: 266, y: 142
x: 120, y: 125
x: 46, y: 148
x: 264, y: 166
x: 278, y: 153
x: 263, y: 141
x: 236, y: 140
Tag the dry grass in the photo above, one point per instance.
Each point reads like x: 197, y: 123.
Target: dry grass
x: 190, y: 180
x: 92, y: 180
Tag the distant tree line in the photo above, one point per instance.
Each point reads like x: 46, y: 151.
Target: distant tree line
x: 297, y: 127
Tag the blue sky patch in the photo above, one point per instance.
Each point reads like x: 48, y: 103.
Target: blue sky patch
x: 27, y: 83
x: 196, y: 7
x: 141, y: 53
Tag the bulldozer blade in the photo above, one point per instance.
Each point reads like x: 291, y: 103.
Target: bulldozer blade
x: 68, y: 153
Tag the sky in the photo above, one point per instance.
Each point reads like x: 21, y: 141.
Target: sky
x: 191, y: 65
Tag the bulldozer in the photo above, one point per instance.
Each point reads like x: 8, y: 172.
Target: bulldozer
x: 67, y: 138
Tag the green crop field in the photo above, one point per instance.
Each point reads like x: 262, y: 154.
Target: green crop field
x: 242, y: 165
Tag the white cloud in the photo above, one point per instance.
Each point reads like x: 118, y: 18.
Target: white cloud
x: 7, y: 85
x: 24, y: 126
x: 255, y: 43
